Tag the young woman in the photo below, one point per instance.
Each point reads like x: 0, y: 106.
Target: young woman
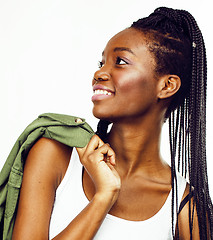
x: 154, y: 70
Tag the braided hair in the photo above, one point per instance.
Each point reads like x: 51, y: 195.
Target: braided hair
x: 177, y: 45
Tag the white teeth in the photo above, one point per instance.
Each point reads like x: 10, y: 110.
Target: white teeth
x: 99, y: 91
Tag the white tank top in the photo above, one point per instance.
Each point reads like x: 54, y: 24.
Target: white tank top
x: 71, y: 200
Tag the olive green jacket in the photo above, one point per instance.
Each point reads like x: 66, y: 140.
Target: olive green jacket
x: 69, y: 130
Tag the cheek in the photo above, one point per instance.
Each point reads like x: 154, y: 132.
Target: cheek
x: 134, y: 84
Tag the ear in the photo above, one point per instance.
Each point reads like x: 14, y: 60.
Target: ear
x: 168, y: 85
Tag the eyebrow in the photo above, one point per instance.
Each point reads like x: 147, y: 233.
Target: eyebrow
x: 118, y: 49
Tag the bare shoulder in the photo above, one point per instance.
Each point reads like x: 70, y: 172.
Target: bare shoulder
x: 49, y: 156
x: 44, y: 169
x: 183, y: 219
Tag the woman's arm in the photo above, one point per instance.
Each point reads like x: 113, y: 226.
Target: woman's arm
x: 45, y: 167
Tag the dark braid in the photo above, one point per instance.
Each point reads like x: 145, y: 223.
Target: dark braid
x: 177, y: 45
x: 102, y: 129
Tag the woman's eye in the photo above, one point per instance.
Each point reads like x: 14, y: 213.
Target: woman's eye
x: 120, y: 61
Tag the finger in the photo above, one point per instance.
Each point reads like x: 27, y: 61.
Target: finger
x: 93, y: 144
x: 108, y: 155
x: 112, y: 160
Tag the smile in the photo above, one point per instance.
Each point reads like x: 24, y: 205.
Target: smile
x: 102, y: 92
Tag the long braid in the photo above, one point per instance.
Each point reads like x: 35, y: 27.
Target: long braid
x: 197, y: 110
x: 173, y: 133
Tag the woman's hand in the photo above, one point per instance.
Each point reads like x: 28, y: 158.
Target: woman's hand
x: 98, y: 158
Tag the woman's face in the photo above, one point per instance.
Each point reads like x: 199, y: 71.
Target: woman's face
x: 124, y: 86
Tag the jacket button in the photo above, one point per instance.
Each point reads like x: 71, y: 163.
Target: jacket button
x: 78, y: 120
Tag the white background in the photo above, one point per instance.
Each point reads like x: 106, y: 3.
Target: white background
x: 49, y: 50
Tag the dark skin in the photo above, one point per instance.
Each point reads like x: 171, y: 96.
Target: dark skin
x: 137, y: 119
x: 120, y: 178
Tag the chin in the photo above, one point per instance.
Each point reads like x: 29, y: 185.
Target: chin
x: 102, y: 115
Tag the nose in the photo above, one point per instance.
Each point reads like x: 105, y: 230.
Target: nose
x: 101, y: 75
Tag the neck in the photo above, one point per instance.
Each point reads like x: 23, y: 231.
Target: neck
x: 137, y: 146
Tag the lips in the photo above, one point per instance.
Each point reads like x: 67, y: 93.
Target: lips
x: 100, y: 92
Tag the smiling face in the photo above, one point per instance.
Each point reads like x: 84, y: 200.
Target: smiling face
x: 125, y: 86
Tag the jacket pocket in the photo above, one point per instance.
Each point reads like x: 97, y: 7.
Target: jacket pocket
x: 14, y: 185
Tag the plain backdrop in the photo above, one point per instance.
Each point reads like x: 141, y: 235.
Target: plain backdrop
x: 49, y: 50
